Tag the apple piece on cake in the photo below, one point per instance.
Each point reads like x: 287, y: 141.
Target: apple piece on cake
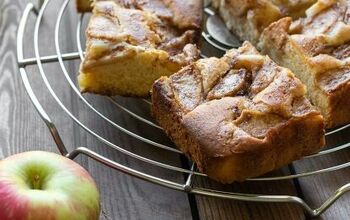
x: 238, y: 116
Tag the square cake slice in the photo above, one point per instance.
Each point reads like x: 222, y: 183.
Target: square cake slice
x: 129, y: 48
x: 317, y: 49
x: 248, y: 18
x: 239, y: 116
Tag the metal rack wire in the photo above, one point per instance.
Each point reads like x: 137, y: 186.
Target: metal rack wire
x: 187, y: 185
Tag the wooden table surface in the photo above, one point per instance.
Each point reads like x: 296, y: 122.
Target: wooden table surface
x: 122, y: 196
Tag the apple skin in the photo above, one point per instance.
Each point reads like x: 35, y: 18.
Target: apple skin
x: 39, y: 185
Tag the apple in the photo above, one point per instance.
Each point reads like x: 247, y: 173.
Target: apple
x: 39, y: 185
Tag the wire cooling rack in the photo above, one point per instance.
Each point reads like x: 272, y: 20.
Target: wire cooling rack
x: 212, y: 36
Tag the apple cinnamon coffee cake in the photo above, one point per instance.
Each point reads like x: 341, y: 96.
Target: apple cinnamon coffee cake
x: 238, y: 116
x: 130, y: 44
x: 248, y: 18
x: 317, y: 49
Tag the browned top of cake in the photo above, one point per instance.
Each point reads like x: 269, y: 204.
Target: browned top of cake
x: 116, y: 26
x: 263, y: 12
x: 179, y: 13
x: 326, y: 27
x: 241, y: 97
x: 293, y: 8
x: 324, y: 36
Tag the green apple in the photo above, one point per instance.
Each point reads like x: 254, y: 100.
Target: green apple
x: 45, y: 186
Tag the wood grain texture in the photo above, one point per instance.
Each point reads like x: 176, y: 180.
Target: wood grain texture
x: 125, y: 197
x: 317, y: 189
x: 210, y: 208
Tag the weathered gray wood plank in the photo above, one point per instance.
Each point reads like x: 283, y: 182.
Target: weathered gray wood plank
x: 210, y: 208
x: 124, y: 197
x: 318, y: 189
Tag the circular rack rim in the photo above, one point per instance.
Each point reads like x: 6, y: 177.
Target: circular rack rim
x: 190, y: 173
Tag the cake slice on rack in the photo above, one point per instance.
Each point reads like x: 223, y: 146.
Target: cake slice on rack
x: 247, y: 19
x: 317, y: 49
x: 131, y: 44
x: 239, y: 116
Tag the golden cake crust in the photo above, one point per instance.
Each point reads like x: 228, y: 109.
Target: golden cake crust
x: 317, y: 49
x: 248, y: 18
x: 129, y: 48
x: 238, y: 116
x: 182, y: 14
